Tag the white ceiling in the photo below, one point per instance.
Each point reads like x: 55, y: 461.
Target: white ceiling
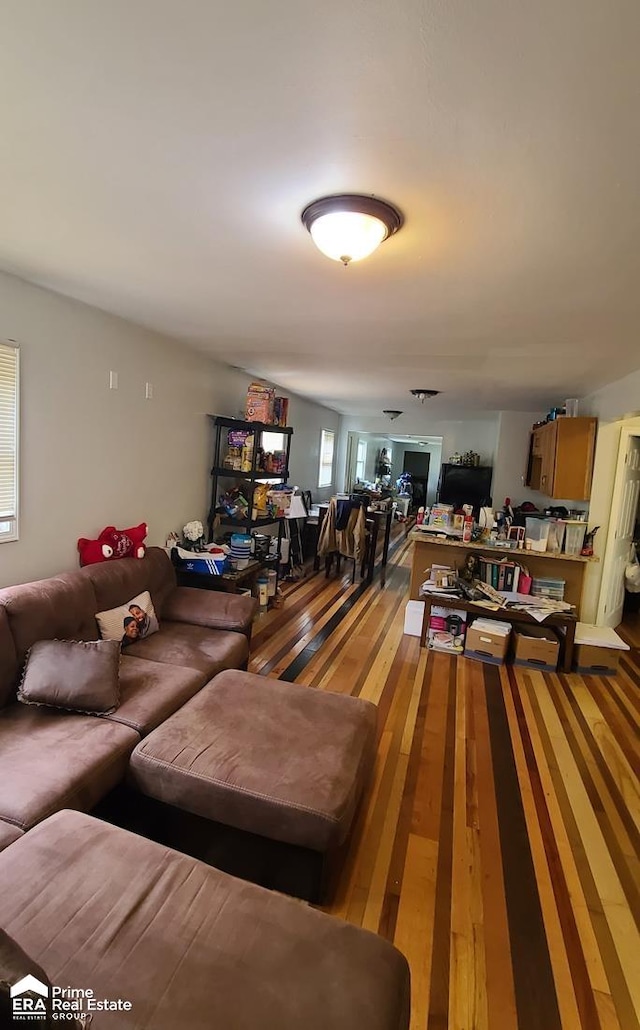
x: 155, y: 156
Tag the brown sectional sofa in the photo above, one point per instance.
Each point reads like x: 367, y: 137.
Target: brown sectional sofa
x: 52, y: 759
x: 99, y: 907
x: 187, y: 945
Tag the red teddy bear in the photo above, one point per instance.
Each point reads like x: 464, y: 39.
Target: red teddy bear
x: 114, y: 543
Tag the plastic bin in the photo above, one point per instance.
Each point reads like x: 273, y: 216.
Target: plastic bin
x: 537, y: 534
x: 556, y: 536
x: 574, y: 536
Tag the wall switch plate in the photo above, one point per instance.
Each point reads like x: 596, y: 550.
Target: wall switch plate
x: 148, y: 391
x: 113, y: 380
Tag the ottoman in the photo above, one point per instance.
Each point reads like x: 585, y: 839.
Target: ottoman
x: 276, y: 759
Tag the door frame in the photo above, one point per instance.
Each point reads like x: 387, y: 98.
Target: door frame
x: 616, y: 500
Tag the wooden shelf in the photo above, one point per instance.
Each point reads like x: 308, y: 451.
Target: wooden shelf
x: 514, y: 554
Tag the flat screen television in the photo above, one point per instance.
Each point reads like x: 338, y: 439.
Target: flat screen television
x: 465, y: 484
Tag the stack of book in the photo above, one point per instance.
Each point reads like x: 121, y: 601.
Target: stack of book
x: 501, y: 575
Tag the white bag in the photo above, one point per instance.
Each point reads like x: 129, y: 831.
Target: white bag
x: 632, y: 576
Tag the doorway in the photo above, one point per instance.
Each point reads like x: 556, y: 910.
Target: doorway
x: 623, y: 537
x: 416, y: 463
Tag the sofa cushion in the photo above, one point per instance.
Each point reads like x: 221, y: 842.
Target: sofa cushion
x: 138, y: 612
x: 9, y: 667
x: 192, y: 647
x: 188, y: 945
x: 62, y: 607
x: 115, y: 582
x: 15, y: 964
x: 51, y: 760
x: 8, y: 834
x: 274, y: 758
x: 75, y: 675
x: 211, y: 608
x: 151, y: 691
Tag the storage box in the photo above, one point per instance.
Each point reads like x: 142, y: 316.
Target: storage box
x: 446, y: 630
x: 536, y: 647
x: 487, y: 643
x: 204, y: 564
x: 413, y: 615
x: 259, y: 405
x: 597, y: 650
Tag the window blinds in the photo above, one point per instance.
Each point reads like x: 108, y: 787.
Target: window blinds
x: 8, y: 432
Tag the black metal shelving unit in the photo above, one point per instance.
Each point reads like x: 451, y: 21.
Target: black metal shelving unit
x: 223, y: 424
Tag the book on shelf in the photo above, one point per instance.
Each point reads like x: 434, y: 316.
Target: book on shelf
x: 501, y: 575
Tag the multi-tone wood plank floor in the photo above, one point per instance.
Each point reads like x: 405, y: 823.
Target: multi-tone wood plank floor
x: 498, y: 844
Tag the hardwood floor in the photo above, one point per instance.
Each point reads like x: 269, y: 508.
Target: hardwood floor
x: 498, y: 846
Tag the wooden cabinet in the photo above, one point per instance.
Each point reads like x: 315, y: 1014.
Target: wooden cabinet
x: 561, y: 458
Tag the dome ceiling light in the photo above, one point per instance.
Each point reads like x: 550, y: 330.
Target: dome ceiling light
x: 349, y: 226
x: 391, y: 413
x: 423, y: 395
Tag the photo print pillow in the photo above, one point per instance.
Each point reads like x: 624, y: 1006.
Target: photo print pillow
x: 131, y: 622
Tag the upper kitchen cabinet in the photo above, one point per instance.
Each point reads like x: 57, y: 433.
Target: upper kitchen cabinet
x: 561, y: 458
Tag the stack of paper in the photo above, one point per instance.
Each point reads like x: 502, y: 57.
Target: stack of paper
x: 502, y: 629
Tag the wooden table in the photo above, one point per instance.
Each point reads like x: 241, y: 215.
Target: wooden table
x: 229, y: 582
x: 558, y: 620
x: 428, y: 551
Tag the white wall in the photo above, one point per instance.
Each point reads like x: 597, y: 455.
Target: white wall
x: 90, y: 456
x: 476, y: 433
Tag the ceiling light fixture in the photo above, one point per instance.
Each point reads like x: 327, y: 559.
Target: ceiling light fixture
x: 349, y: 226
x: 423, y: 395
x: 391, y: 413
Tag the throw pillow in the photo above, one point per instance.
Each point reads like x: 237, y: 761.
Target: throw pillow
x: 77, y: 675
x: 130, y: 622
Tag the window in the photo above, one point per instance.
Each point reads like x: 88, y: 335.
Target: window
x: 361, y: 460
x: 8, y: 442
x: 272, y: 441
x: 325, y: 474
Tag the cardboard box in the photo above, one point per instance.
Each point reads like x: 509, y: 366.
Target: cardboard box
x: 595, y: 661
x: 413, y: 615
x: 446, y: 630
x: 536, y: 647
x: 597, y: 650
x: 259, y: 405
x: 486, y: 645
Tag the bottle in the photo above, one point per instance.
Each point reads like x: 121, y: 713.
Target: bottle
x: 263, y: 591
x: 420, y: 517
x: 247, y: 455
x: 467, y: 529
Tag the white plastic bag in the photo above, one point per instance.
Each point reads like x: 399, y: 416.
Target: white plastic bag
x: 632, y: 576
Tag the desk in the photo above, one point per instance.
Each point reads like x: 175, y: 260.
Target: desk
x: 557, y: 621
x: 427, y: 551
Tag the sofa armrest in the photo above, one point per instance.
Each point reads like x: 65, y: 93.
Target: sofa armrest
x: 212, y: 609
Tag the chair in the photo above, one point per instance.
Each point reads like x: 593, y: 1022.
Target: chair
x: 345, y: 537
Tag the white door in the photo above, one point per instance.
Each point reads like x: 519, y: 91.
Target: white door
x: 624, y: 507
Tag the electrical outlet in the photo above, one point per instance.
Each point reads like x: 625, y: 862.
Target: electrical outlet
x: 148, y: 391
x: 113, y: 380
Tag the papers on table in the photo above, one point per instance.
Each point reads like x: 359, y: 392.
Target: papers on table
x: 539, y: 608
